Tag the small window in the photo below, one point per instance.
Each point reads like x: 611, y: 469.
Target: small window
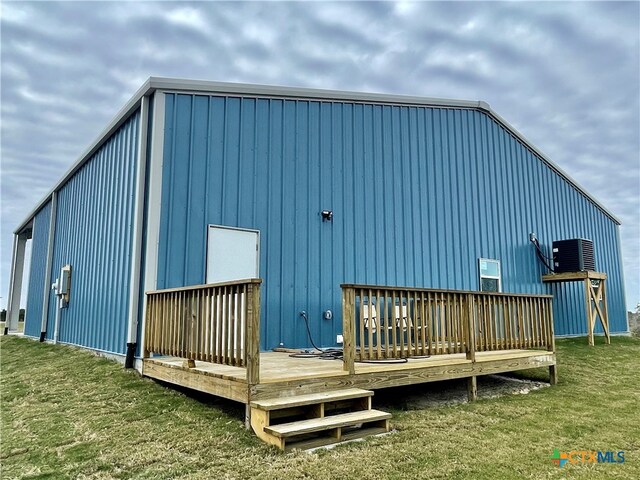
x: 489, y: 275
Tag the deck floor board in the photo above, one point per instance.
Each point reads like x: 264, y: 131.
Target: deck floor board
x: 276, y: 367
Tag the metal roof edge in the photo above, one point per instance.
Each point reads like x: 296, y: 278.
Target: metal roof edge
x: 166, y: 83
x: 162, y: 83
x: 554, y: 166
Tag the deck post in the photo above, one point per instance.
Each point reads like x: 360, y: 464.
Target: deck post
x: 551, y: 346
x: 471, y: 329
x: 247, y: 414
x: 348, y: 313
x: 252, y: 335
x: 472, y: 388
x: 553, y: 369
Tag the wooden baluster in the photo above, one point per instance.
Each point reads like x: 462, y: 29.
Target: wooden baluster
x: 536, y: 321
x: 430, y: 319
x: 231, y: 333
x: 521, y: 323
x: 371, y: 324
x: 360, y: 344
x: 449, y: 324
x: 471, y: 326
x: 507, y: 322
x: 148, y: 346
x: 239, y: 327
x: 385, y: 326
x: 423, y: 325
x: 392, y: 324
x: 494, y: 323
x: 530, y: 318
x: 200, y: 314
x: 415, y: 349
x: 379, y: 331
x: 400, y: 325
x: 176, y: 326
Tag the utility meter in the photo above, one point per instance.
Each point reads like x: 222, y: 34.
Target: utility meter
x: 64, y: 286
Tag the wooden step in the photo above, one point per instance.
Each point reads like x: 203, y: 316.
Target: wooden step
x: 286, y: 430
x: 315, y: 442
x: 310, y: 399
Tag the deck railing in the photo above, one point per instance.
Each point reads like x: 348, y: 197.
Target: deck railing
x: 218, y: 323
x: 381, y: 322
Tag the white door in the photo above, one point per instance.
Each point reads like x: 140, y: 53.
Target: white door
x: 232, y: 254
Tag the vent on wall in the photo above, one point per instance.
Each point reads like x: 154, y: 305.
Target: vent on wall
x: 575, y: 255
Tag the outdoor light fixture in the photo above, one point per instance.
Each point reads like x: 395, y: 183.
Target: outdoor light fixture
x: 327, y: 215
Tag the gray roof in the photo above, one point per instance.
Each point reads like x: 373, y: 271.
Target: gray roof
x: 201, y: 86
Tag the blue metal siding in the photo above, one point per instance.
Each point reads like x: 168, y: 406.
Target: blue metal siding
x: 418, y: 195
x: 37, y: 272
x: 94, y: 228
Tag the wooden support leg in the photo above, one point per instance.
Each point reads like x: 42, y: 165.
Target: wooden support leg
x: 247, y: 416
x: 472, y: 388
x: 605, y: 313
x: 553, y: 374
x: 587, y: 295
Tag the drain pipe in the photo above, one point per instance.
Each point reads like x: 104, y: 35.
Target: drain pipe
x: 138, y: 224
x: 47, y: 275
x: 56, y: 327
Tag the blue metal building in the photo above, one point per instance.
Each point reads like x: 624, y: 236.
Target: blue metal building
x: 421, y: 193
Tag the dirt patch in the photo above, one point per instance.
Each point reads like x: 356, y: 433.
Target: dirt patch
x: 452, y: 392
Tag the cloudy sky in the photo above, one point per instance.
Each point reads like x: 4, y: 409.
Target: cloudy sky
x: 566, y: 75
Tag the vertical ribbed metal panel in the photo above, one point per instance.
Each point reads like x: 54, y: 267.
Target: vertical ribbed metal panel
x: 37, y: 272
x: 418, y: 195
x: 94, y: 227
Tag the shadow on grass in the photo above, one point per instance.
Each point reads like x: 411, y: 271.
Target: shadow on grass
x: 228, y: 407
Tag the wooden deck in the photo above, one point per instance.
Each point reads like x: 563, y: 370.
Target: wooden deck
x: 207, y: 338
x: 283, y: 375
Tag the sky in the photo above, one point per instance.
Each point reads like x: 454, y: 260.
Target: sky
x: 566, y: 75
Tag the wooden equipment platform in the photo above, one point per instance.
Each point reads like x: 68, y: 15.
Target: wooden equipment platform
x: 595, y: 297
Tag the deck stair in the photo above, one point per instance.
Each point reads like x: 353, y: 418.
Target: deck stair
x: 313, y: 420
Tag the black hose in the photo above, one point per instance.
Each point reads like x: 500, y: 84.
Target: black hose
x: 541, y: 256
x: 396, y: 360
x: 303, y: 314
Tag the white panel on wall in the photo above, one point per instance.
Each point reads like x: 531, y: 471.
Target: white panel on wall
x: 232, y: 254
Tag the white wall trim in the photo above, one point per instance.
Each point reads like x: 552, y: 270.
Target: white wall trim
x: 138, y: 226
x: 154, y: 188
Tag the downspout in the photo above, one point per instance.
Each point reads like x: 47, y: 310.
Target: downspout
x: 56, y: 327
x: 47, y: 272
x: 138, y: 225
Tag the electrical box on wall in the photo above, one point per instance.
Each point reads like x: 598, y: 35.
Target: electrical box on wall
x: 65, y: 284
x: 575, y: 255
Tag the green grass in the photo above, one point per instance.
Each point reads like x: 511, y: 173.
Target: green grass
x: 69, y: 414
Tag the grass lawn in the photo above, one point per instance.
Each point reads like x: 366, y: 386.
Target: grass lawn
x: 69, y: 414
